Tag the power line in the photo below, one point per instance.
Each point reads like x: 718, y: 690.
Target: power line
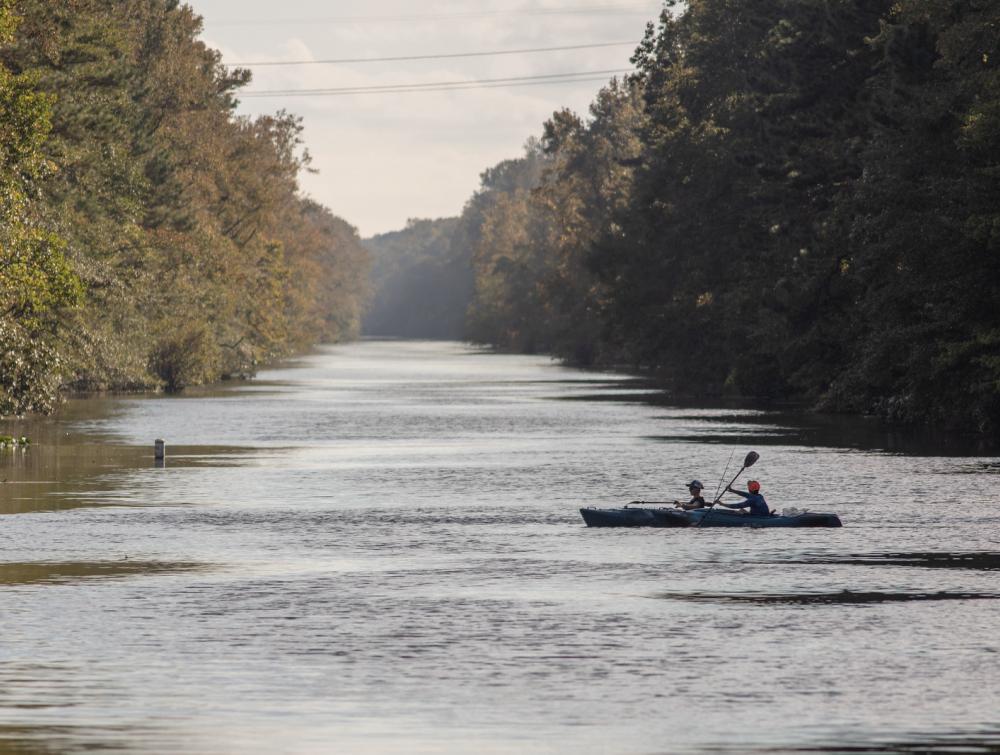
x: 438, y: 56
x: 446, y: 86
x: 439, y: 89
x: 598, y: 10
x: 460, y: 82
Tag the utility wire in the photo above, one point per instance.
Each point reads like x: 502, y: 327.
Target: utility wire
x: 599, y: 10
x: 551, y: 78
x: 434, y: 89
x: 440, y: 56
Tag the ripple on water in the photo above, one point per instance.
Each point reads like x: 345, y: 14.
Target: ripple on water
x: 381, y: 551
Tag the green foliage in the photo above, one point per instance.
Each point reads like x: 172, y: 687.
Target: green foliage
x: 790, y: 199
x: 923, y: 239
x: 36, y: 282
x: 29, y: 370
x: 154, y: 237
x: 35, y: 278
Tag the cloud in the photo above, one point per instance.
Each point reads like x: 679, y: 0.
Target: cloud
x: 384, y: 158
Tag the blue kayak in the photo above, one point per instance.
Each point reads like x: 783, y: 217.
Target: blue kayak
x: 648, y: 515
x: 730, y: 518
x: 645, y: 516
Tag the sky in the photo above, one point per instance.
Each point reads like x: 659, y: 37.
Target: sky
x: 382, y: 158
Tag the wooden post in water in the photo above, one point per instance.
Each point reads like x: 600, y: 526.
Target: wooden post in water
x: 159, y: 449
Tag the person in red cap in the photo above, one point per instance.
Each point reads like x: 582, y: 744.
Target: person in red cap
x: 753, y: 500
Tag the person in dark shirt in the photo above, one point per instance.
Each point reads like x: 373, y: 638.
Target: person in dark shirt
x: 753, y: 500
x: 697, y: 500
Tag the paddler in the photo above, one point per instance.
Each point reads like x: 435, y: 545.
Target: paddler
x: 753, y: 500
x: 697, y: 500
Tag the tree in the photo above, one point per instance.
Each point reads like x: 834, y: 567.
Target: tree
x: 36, y: 283
x: 196, y: 256
x: 924, y: 240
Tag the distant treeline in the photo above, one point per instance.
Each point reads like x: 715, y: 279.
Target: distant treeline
x: 789, y: 199
x: 149, y: 236
x: 422, y: 282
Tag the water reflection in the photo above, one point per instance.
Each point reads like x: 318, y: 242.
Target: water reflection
x: 50, y: 740
x: 986, y: 561
x: 34, y: 573
x: 73, y: 462
x: 920, y: 744
x: 739, y: 422
x: 850, y: 597
x: 781, y: 428
x: 379, y: 551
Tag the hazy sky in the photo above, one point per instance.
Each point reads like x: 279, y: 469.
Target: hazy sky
x: 383, y: 158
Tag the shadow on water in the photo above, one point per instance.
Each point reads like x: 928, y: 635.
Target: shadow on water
x: 745, y: 422
x: 977, y: 561
x: 932, y: 744
x: 794, y: 428
x: 848, y: 597
x: 983, y: 561
x: 30, y: 573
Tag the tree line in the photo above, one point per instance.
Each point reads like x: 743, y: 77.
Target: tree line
x: 150, y: 236
x: 789, y: 199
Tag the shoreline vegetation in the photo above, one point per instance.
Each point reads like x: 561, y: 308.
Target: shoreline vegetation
x: 150, y: 237
x: 788, y: 200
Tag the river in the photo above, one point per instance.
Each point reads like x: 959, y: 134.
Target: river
x: 377, y: 549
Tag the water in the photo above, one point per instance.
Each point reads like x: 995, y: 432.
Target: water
x: 377, y: 549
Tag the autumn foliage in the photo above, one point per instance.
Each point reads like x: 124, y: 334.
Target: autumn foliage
x: 150, y: 235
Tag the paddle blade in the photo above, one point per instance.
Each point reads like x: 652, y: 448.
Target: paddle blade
x: 751, y: 459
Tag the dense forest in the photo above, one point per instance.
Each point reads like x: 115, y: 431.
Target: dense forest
x: 789, y: 199
x: 149, y: 236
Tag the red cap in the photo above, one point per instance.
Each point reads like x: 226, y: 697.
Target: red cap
x: 753, y: 486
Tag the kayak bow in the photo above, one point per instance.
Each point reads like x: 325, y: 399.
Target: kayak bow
x: 635, y: 517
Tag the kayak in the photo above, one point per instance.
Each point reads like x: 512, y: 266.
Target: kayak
x: 635, y: 516
x: 729, y: 518
x: 640, y: 516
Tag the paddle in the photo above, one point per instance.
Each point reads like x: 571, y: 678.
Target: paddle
x: 722, y: 477
x: 749, y: 461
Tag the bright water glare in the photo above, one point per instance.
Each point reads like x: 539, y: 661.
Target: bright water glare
x: 378, y: 549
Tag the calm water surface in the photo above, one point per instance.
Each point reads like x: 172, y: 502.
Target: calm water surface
x: 378, y: 550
